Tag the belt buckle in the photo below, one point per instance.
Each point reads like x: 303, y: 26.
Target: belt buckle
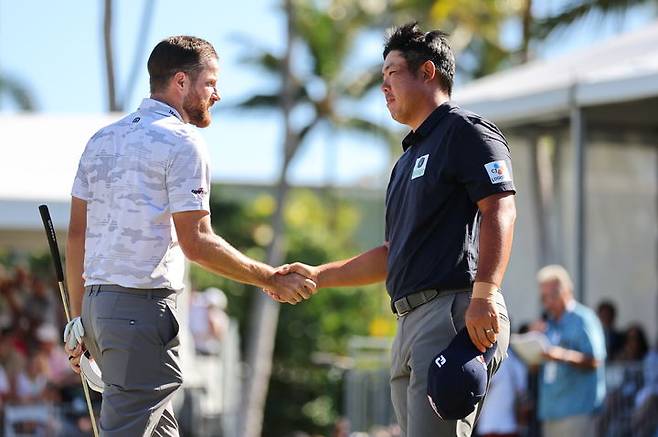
x: 403, y: 313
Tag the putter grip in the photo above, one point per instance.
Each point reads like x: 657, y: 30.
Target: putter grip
x: 52, y: 241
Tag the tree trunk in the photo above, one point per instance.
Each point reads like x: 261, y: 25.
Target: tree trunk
x: 264, y: 315
x: 109, y: 57
x: 140, y: 50
x: 527, y: 29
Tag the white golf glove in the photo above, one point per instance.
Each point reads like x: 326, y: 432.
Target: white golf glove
x: 73, y: 333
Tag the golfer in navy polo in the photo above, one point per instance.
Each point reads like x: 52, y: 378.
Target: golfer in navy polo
x: 449, y: 222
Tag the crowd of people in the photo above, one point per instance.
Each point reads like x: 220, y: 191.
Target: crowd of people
x: 595, y: 380
x: 34, y: 372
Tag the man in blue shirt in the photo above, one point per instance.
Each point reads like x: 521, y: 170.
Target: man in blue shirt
x: 572, y: 380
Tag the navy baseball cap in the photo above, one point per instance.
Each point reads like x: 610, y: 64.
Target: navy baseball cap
x: 457, y: 377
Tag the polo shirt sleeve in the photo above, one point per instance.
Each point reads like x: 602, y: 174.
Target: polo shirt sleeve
x: 80, y: 187
x: 188, y: 176
x: 592, y: 342
x: 482, y: 159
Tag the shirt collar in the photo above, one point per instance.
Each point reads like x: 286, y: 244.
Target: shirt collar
x: 159, y: 108
x: 570, y: 306
x: 415, y: 137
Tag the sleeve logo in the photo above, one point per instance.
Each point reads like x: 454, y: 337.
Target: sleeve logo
x: 419, y: 167
x: 498, y: 172
x: 200, y: 192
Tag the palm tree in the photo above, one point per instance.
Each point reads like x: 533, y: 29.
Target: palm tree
x: 474, y: 26
x: 17, y: 92
x: 327, y: 41
x: 114, y: 101
x: 577, y: 11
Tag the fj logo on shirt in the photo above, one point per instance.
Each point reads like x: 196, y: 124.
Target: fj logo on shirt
x: 498, y: 172
x: 440, y: 360
x: 419, y: 168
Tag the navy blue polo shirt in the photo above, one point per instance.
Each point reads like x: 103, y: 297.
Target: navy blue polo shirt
x: 453, y: 160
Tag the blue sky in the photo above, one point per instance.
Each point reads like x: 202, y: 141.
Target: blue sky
x: 55, y: 48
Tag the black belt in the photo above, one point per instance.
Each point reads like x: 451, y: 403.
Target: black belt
x: 147, y: 293
x: 412, y: 301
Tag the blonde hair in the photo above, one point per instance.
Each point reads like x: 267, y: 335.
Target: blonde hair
x: 557, y: 273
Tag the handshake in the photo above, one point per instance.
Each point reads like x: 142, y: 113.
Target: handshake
x: 292, y: 283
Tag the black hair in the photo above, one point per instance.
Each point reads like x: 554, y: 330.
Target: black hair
x: 417, y: 47
x: 607, y: 305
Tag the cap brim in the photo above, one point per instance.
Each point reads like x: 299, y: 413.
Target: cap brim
x: 92, y: 374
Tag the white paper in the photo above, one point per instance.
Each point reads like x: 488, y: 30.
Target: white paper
x: 530, y: 347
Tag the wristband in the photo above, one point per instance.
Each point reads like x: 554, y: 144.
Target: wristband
x: 484, y: 290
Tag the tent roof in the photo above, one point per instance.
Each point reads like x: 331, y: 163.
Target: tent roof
x: 40, y: 154
x: 622, y: 69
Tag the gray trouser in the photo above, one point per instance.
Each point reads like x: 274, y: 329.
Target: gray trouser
x: 421, y: 334
x: 133, y: 336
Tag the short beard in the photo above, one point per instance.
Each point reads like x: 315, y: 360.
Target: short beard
x: 196, y: 110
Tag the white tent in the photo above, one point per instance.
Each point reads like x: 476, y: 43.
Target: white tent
x: 39, y: 160
x: 620, y: 70
x: 583, y: 129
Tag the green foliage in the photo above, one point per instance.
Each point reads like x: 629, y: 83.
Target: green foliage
x: 574, y: 12
x: 317, y: 231
x: 17, y: 91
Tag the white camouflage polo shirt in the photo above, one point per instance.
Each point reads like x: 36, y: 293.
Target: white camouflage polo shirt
x: 133, y: 175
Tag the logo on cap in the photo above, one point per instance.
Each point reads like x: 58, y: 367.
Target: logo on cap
x: 459, y: 380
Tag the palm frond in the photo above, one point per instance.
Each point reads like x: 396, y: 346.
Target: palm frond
x: 17, y: 92
x: 575, y: 13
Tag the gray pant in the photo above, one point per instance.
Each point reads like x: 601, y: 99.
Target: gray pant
x: 421, y: 334
x: 133, y: 336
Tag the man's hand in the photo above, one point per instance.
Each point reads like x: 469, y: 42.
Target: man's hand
x: 73, y: 345
x: 73, y: 333
x: 74, y: 357
x: 305, y: 270
x: 555, y: 353
x: 482, y: 316
x: 291, y: 288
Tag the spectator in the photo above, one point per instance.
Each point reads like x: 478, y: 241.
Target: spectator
x: 40, y: 304
x: 32, y: 383
x: 635, y: 345
x: 507, y: 392
x: 5, y: 388
x: 614, y: 339
x: 58, y: 372
x: 572, y: 381
x: 209, y: 322
x: 532, y: 426
x: 645, y: 416
x: 12, y: 359
x: 341, y: 427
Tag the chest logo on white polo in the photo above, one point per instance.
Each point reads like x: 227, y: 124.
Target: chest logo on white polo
x: 498, y: 172
x: 419, y: 167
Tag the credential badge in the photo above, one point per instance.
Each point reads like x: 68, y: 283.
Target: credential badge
x: 419, y: 167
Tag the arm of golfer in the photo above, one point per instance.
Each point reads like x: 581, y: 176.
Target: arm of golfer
x: 496, y: 230
x: 75, y: 254
x: 367, y: 268
x: 201, y: 245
